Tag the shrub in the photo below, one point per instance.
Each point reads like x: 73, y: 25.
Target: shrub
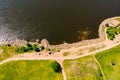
x: 37, y: 50
x: 29, y: 46
x: 111, y: 32
x: 22, y: 49
x: 56, y: 67
x: 107, y: 25
x: 34, y: 46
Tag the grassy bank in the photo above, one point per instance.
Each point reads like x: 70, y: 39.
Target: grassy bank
x: 7, y: 51
x: 82, y: 69
x: 110, y: 62
x: 86, y: 68
x: 28, y: 70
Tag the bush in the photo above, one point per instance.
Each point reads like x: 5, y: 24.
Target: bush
x: 107, y: 25
x: 29, y: 46
x: 111, y: 32
x: 22, y: 49
x: 34, y: 46
x: 37, y: 50
x: 56, y: 67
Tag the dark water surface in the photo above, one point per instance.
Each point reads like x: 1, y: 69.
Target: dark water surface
x: 56, y: 20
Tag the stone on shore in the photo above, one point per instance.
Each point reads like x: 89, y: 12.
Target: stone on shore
x: 45, y: 43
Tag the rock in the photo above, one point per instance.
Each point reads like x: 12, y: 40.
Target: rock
x: 9, y: 45
x: 19, y: 42
x: 37, y: 40
x: 112, y: 63
x: 58, y: 50
x: 45, y: 43
x: 100, y: 74
x: 50, y: 52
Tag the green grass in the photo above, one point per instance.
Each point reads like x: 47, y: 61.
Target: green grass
x: 86, y: 68
x: 111, y: 32
x: 28, y: 70
x: 6, y: 52
x: 105, y: 58
x: 82, y: 69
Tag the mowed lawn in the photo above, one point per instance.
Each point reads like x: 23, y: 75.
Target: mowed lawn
x: 28, y: 70
x: 110, y: 63
x: 82, y: 69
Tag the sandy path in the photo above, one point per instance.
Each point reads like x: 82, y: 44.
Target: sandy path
x: 109, y: 44
x: 34, y: 56
x: 58, y: 59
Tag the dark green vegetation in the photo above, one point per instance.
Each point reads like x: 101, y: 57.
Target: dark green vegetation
x: 8, y: 50
x: 29, y: 47
x: 110, y: 63
x: 28, y: 70
x: 82, y: 69
x: 56, y: 67
x: 112, y: 31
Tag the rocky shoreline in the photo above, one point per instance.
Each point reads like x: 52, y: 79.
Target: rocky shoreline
x: 101, y: 32
x: 101, y: 38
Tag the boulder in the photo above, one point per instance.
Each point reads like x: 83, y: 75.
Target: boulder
x: 45, y: 43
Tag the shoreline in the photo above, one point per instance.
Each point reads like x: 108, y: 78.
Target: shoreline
x: 101, y: 33
x: 75, y: 51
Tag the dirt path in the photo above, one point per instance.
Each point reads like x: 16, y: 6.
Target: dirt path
x: 100, y: 68
x: 34, y: 56
x: 58, y: 59
x: 63, y: 71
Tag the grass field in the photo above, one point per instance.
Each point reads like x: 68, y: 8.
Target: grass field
x: 110, y: 63
x: 86, y: 68
x: 6, y: 51
x: 82, y: 69
x: 28, y: 70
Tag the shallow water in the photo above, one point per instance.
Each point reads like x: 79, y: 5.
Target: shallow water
x: 56, y: 20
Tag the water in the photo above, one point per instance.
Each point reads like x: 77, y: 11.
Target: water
x: 55, y: 20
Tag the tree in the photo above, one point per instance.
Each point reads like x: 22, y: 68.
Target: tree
x: 37, y: 50
x: 22, y: 49
x: 56, y: 67
x: 29, y: 46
